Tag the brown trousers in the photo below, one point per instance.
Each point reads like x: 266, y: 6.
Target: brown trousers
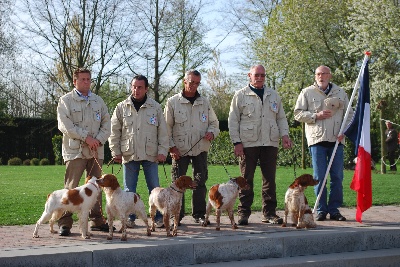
x: 73, y: 174
x: 267, y: 157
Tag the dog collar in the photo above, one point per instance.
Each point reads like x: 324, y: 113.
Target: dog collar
x: 97, y: 187
x: 234, y: 183
x: 173, y: 188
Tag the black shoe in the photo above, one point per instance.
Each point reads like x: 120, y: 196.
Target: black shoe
x: 321, y: 216
x: 338, y: 217
x: 65, y: 231
x: 104, y: 228
x: 243, y: 220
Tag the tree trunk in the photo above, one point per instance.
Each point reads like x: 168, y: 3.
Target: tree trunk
x: 383, y: 144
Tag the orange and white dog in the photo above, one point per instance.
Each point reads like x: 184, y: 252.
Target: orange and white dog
x: 168, y: 201
x: 80, y: 199
x: 120, y: 204
x: 296, y: 203
x: 223, y: 197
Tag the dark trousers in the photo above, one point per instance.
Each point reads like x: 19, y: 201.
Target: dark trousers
x: 392, y: 160
x: 267, y: 155
x: 200, y: 174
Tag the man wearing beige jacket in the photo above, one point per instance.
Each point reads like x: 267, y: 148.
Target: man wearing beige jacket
x: 85, y: 123
x: 139, y: 138
x: 192, y: 125
x: 322, y: 107
x: 256, y: 123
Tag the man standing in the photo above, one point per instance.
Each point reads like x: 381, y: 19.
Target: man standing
x: 192, y: 125
x: 85, y: 123
x: 391, y: 145
x: 139, y: 138
x: 256, y: 123
x: 322, y: 107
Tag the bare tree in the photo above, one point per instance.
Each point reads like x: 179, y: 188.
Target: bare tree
x: 67, y: 34
x: 171, y: 35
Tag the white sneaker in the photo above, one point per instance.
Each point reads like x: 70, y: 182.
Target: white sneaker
x: 130, y: 224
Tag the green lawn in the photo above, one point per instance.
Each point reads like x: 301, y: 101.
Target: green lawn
x: 24, y: 189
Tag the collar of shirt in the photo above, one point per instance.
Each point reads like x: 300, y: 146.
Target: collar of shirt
x: 83, y: 96
x: 327, y: 90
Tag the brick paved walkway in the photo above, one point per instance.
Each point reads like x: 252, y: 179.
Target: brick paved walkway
x: 20, y: 237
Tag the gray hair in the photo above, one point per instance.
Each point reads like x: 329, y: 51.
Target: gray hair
x: 192, y: 72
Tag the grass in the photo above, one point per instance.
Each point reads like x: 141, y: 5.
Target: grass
x: 24, y: 189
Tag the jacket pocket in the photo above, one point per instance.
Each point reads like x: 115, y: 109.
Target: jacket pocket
x: 203, y: 117
x: 180, y: 118
x: 151, y: 117
x: 274, y: 131
x: 127, y: 147
x: 74, y: 144
x: 181, y: 141
x: 316, y: 105
x: 248, y: 110
x: 316, y: 129
x: 151, y: 145
x: 248, y: 133
x: 76, y: 113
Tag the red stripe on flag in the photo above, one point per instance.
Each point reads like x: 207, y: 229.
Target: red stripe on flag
x: 362, y: 182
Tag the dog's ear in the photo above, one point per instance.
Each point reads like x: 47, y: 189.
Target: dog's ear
x: 241, y: 181
x: 114, y: 181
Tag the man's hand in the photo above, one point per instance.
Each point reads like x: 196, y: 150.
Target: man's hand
x: 175, y: 154
x: 209, y: 136
x: 239, y: 152
x: 286, y: 142
x: 118, y: 158
x: 92, y: 143
x: 324, y: 114
x: 161, y: 158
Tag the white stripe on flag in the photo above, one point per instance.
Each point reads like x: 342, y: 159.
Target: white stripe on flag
x: 365, y: 140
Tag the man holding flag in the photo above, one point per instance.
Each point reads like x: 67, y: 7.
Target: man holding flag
x: 322, y: 108
x: 359, y: 133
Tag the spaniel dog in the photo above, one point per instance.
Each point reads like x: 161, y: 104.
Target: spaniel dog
x: 120, y: 204
x: 296, y: 203
x: 80, y: 199
x: 168, y: 201
x: 223, y: 197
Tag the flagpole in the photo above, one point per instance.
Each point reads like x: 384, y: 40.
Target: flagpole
x: 366, y: 57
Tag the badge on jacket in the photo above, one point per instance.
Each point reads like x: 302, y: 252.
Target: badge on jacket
x: 153, y: 120
x: 274, y: 106
x: 98, y: 116
x: 203, y: 117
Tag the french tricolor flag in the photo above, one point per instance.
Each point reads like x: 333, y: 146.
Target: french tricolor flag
x: 358, y: 131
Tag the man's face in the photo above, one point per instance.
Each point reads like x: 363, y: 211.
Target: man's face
x: 191, y: 84
x: 139, y: 89
x: 322, y: 77
x: 388, y: 125
x: 82, y: 83
x: 257, y: 77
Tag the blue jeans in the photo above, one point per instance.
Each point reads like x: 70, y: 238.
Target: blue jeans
x: 131, y: 177
x: 320, y: 160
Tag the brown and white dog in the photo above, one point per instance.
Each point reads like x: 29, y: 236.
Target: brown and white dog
x: 80, y: 199
x: 169, y: 201
x: 120, y: 204
x: 223, y: 197
x: 296, y: 203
